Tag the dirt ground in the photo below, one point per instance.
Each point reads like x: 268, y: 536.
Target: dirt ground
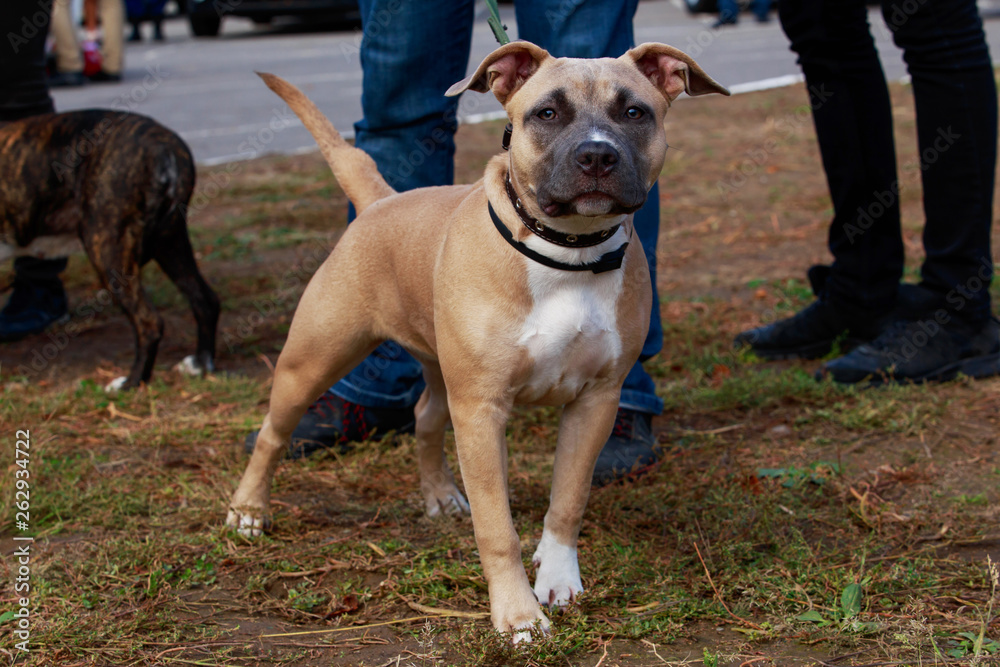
x: 775, y: 493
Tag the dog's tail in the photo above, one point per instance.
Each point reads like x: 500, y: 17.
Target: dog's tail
x: 354, y: 169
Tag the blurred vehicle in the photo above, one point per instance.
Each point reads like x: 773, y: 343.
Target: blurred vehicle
x: 205, y: 16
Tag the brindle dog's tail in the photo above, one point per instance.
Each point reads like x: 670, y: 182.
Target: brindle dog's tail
x: 354, y: 169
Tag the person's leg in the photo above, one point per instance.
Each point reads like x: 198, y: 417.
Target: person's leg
x: 595, y: 29
x: 408, y: 128
x: 23, y: 89
x: 729, y: 13
x: 69, y: 61
x: 945, y: 325
x: 956, y: 104
x: 762, y: 9
x: 853, y: 120
x: 112, y: 15
x: 38, y: 298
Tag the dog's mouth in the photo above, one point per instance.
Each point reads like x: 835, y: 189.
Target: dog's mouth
x: 593, y: 203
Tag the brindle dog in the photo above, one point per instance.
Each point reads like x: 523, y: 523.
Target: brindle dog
x: 119, y: 184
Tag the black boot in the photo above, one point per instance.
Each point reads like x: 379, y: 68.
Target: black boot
x: 630, y: 451
x: 811, y: 333
x: 927, y: 341
x: 37, y: 300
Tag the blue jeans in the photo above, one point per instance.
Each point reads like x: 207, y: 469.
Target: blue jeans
x: 956, y: 107
x: 411, y: 52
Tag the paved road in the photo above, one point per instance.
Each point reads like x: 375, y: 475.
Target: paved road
x: 206, y: 89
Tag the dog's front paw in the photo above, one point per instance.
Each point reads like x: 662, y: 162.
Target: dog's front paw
x: 558, y: 581
x: 519, y: 618
x: 248, y: 522
x: 445, y: 499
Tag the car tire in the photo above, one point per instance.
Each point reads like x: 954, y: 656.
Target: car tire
x: 701, y: 6
x: 205, y: 25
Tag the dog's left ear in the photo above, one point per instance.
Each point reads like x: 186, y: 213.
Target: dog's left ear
x: 503, y: 71
x: 672, y: 71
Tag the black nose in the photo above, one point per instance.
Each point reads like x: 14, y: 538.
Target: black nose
x: 596, y: 158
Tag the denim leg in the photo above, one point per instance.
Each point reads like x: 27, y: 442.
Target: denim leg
x: 578, y: 28
x: 729, y: 11
x: 411, y: 52
x: 761, y: 9
x: 596, y: 29
x: 639, y: 391
x: 956, y: 102
x: 853, y: 118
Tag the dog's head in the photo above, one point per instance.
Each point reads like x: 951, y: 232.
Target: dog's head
x: 588, y: 135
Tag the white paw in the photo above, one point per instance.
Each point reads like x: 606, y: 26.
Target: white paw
x: 247, y: 524
x: 115, y: 385
x: 446, y: 499
x: 558, y: 581
x: 189, y: 366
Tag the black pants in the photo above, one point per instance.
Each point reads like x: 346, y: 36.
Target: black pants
x: 956, y: 106
x: 24, y: 92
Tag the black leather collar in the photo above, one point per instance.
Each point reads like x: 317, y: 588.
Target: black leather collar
x: 538, y: 228
x: 609, y: 261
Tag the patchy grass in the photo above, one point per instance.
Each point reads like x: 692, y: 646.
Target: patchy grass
x: 790, y: 523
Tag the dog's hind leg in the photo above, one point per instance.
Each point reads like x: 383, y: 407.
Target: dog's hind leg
x: 175, y: 256
x: 329, y: 336
x: 119, y: 271
x: 437, y: 483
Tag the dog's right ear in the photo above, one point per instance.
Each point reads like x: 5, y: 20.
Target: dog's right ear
x: 503, y: 71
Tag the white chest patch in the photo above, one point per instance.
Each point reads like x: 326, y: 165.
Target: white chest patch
x: 571, y: 333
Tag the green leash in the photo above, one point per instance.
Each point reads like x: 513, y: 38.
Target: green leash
x: 499, y: 29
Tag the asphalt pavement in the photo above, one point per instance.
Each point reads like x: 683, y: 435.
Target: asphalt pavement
x: 206, y: 90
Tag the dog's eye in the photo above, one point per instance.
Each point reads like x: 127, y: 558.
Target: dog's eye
x: 547, y: 114
x: 634, y: 113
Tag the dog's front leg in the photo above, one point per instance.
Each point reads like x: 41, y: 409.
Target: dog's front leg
x: 482, y: 452
x: 585, y: 427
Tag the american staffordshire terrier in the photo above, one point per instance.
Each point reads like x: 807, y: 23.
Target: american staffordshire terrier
x: 525, y: 287
x: 119, y: 184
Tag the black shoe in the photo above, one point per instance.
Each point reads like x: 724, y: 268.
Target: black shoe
x: 32, y: 308
x: 630, y: 451
x: 104, y: 77
x: 810, y: 333
x: 921, y: 351
x: 332, y: 422
x: 66, y: 80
